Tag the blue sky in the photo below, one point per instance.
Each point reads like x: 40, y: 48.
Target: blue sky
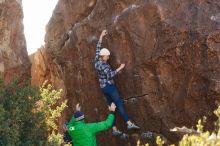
x: 36, y: 15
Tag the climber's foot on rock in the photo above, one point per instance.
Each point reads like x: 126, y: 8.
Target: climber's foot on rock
x: 133, y: 126
x: 116, y: 133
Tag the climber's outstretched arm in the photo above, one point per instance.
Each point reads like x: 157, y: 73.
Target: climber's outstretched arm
x: 99, y: 44
x: 104, y: 125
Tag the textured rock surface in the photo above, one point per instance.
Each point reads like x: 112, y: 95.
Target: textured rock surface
x: 171, y: 49
x: 14, y: 62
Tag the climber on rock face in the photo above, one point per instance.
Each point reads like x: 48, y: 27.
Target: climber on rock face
x: 84, y: 134
x: 106, y: 75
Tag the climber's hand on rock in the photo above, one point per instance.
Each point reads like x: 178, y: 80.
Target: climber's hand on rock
x: 104, y: 33
x: 122, y: 66
x: 78, y: 107
x: 112, y: 107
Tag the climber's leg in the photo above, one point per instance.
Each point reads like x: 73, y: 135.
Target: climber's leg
x: 109, y: 102
x: 112, y: 95
x: 119, y: 103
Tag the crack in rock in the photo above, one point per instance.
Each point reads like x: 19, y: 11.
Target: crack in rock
x: 133, y: 98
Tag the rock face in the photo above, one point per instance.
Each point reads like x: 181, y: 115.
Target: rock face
x: 170, y: 48
x: 14, y: 61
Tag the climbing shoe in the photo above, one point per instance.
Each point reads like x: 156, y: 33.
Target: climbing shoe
x: 116, y: 133
x: 132, y: 126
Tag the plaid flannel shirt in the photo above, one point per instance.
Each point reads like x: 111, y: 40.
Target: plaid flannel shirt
x: 103, y: 69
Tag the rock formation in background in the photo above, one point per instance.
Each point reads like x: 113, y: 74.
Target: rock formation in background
x: 171, y: 50
x: 14, y: 61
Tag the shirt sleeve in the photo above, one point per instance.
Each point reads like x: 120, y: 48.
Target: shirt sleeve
x: 98, y: 49
x: 104, y: 125
x: 109, y: 72
x: 72, y: 122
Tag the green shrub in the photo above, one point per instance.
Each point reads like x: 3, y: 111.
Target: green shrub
x: 204, y: 138
x: 159, y: 141
x: 201, y: 138
x: 29, y: 115
x: 19, y: 124
x: 52, y: 111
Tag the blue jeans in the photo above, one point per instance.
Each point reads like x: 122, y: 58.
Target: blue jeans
x: 112, y: 96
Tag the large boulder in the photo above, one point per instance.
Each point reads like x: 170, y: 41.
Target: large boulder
x: 14, y: 61
x: 171, y: 52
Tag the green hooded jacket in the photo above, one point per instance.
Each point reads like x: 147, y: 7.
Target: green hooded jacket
x: 84, y: 134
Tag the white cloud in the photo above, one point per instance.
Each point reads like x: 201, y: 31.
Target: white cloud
x: 36, y: 15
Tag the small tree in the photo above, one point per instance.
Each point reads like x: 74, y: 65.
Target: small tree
x: 19, y: 124
x: 52, y: 111
x: 29, y: 115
